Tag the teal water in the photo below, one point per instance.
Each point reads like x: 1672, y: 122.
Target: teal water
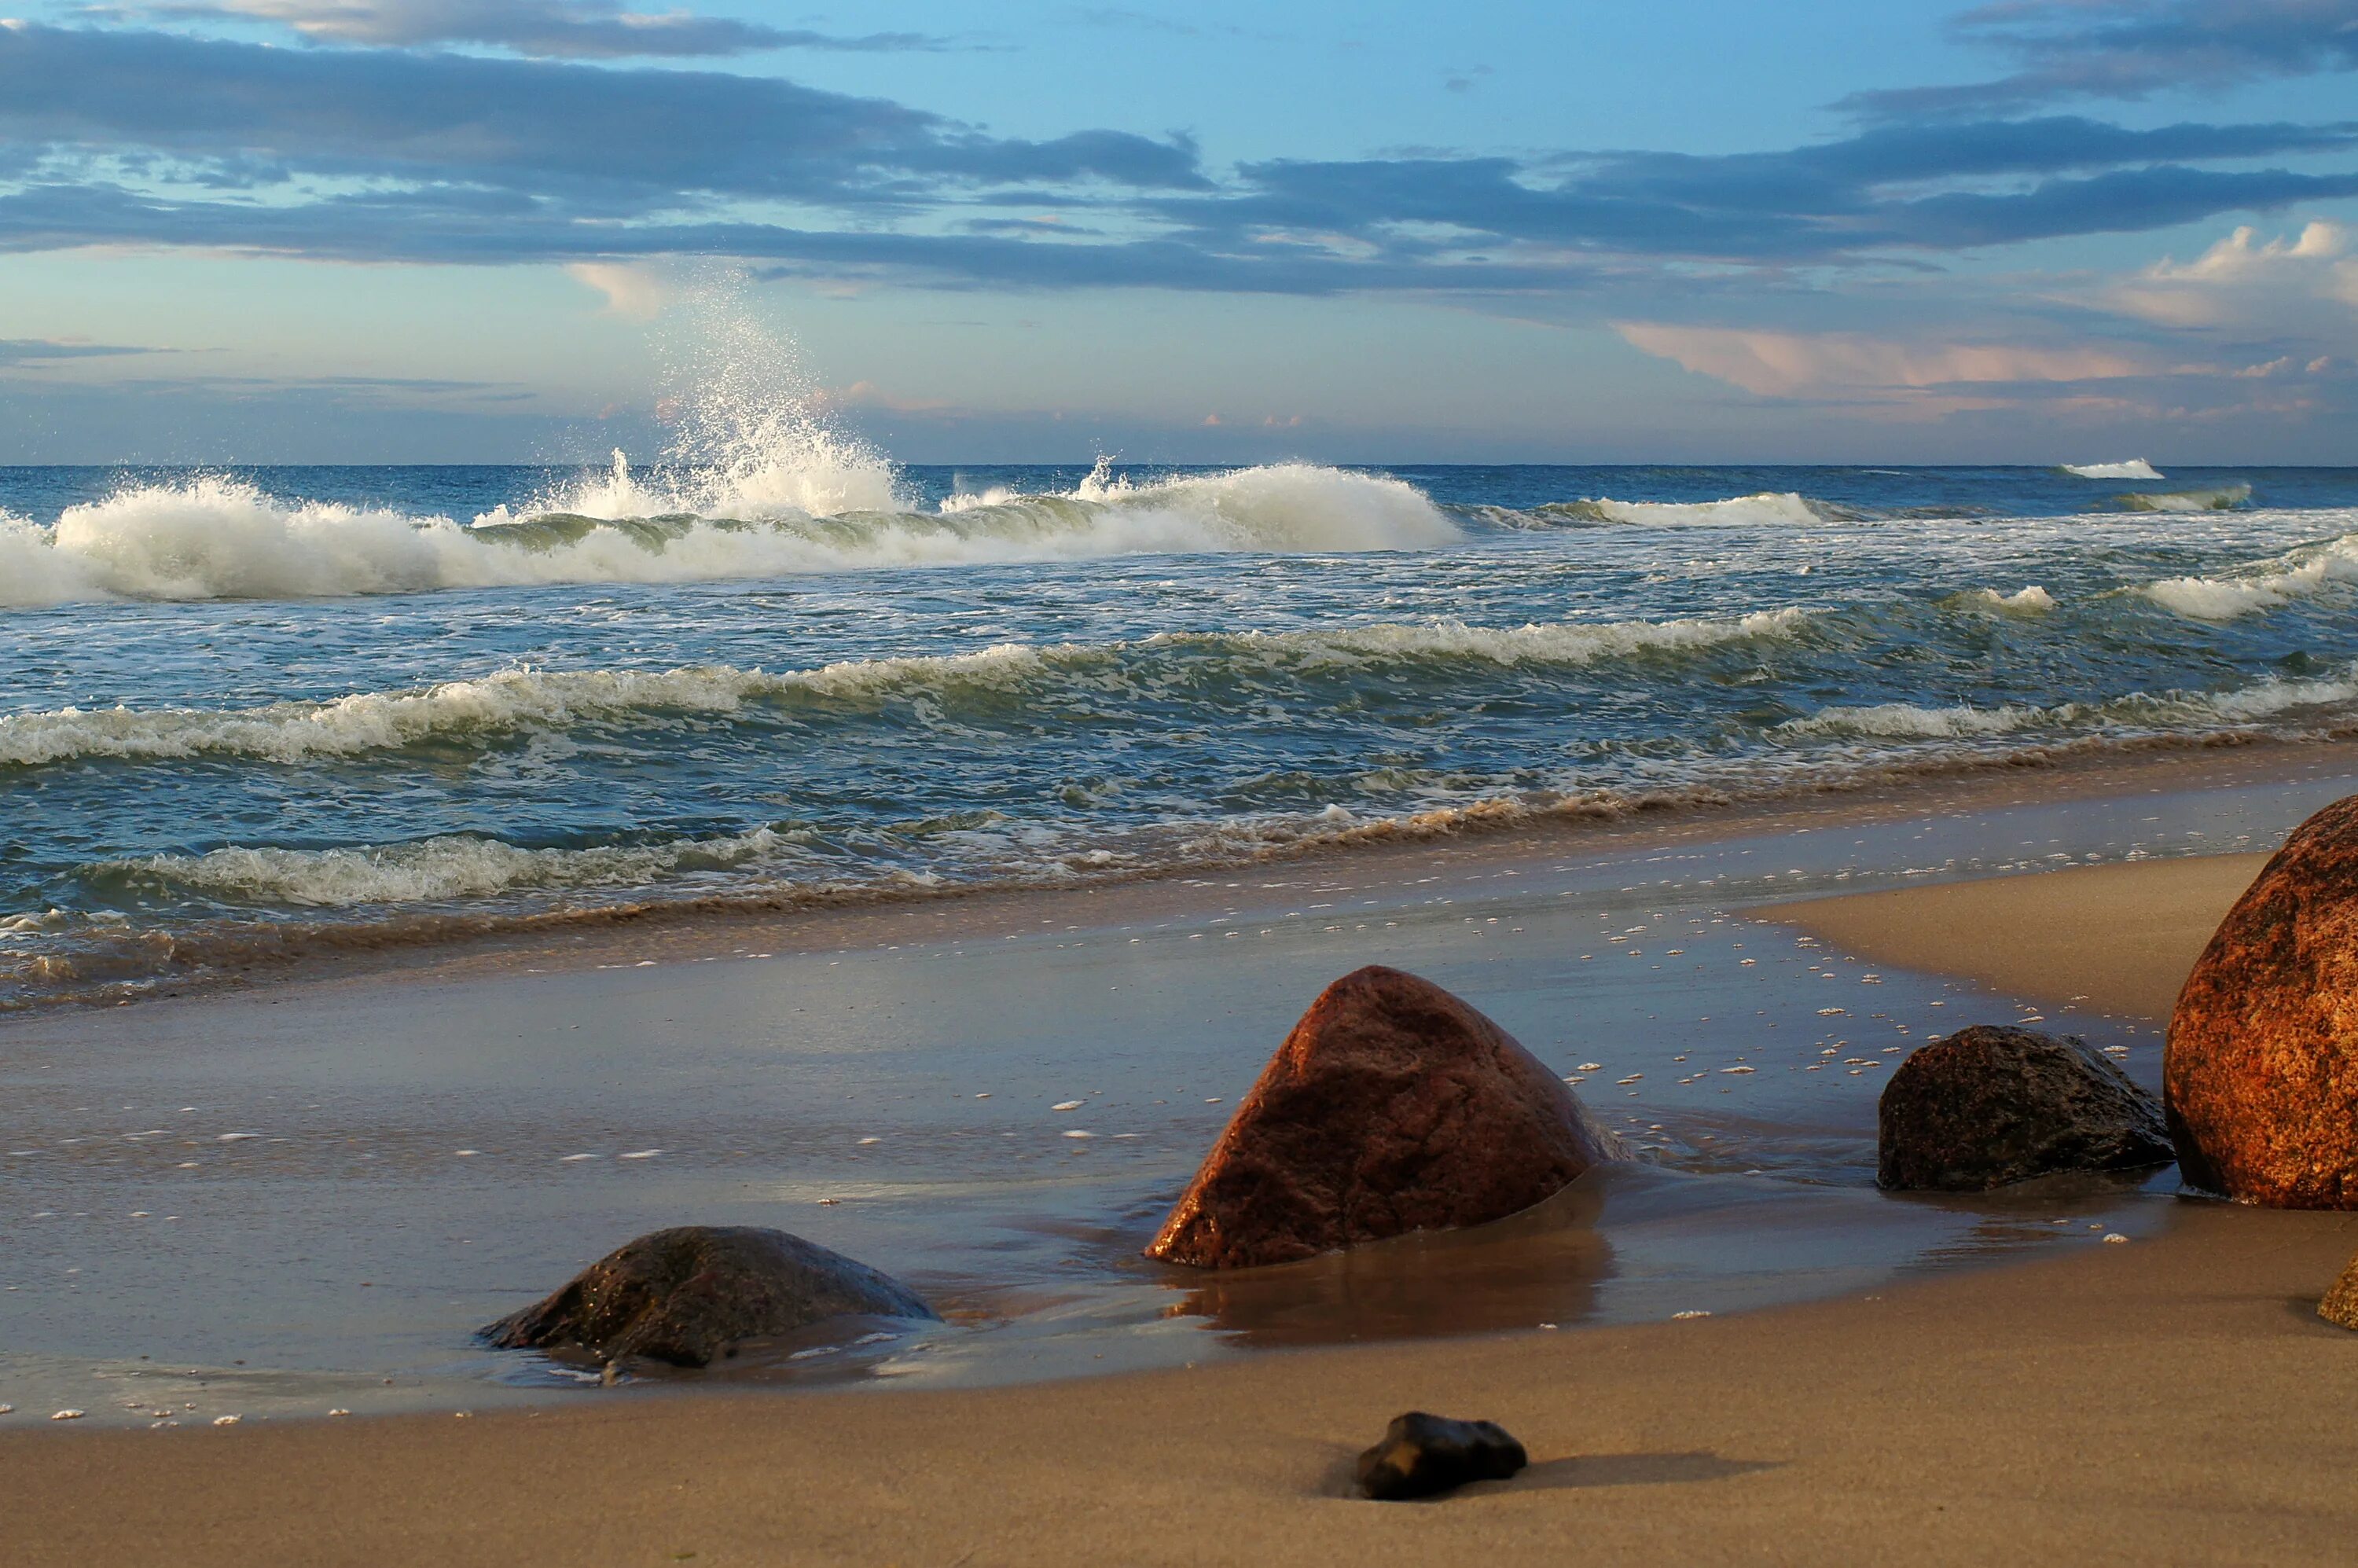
x: 248, y: 706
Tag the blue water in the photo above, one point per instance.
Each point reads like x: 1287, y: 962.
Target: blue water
x: 257, y: 702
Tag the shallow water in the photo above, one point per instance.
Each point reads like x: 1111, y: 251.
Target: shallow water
x: 251, y: 708
x: 273, y: 1202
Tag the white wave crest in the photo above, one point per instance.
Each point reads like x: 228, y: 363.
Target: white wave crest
x: 2296, y: 575
x: 2033, y: 599
x: 2177, y: 711
x: 1767, y: 509
x: 2134, y: 467
x: 224, y: 539
x: 524, y: 699
x: 437, y: 870
x: 1904, y: 720
x: 2225, y: 498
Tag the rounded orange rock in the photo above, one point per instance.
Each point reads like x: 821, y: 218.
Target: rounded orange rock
x: 2260, y: 1074
x: 1392, y: 1107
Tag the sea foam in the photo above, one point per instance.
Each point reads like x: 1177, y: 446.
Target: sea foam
x: 511, y: 700
x: 224, y: 539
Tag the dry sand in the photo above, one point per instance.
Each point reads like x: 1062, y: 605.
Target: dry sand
x: 2119, y: 937
x: 2169, y: 1400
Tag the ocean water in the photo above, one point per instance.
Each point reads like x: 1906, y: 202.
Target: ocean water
x: 247, y: 709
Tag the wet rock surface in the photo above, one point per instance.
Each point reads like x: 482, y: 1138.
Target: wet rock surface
x: 1392, y: 1107
x: 1421, y: 1455
x: 2260, y: 1074
x: 1992, y: 1104
x: 688, y: 1296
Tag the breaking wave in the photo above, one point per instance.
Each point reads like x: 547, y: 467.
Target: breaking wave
x: 2224, y: 498
x: 226, y: 538
x: 2136, y: 468
x: 2177, y: 711
x: 2296, y: 575
x: 524, y: 699
x: 1767, y: 509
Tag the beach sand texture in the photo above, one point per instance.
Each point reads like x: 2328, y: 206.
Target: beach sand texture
x: 2172, y: 1400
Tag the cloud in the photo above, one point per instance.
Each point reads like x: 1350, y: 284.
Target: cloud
x: 569, y: 29
x: 2291, y: 285
x: 1785, y: 364
x: 556, y: 139
x: 139, y: 137
x: 38, y: 352
x: 629, y: 291
x: 2131, y: 48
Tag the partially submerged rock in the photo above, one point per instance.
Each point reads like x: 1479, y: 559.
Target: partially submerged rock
x: 1392, y: 1107
x: 689, y: 1295
x: 2340, y: 1302
x: 2260, y: 1074
x: 1421, y: 1454
x: 1992, y: 1105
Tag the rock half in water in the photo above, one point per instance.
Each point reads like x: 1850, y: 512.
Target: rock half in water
x: 1392, y: 1107
x: 690, y: 1295
x: 1992, y: 1105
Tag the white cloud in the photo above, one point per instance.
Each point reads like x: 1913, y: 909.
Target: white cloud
x: 629, y: 291
x: 2242, y: 282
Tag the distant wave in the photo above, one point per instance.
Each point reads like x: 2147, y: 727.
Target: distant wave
x: 519, y: 699
x: 2136, y: 468
x: 2224, y: 498
x: 224, y: 539
x: 1767, y: 509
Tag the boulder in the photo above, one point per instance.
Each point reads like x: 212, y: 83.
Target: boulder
x: 2340, y: 1302
x: 1992, y: 1105
x: 1421, y: 1454
x: 2260, y: 1075
x: 1392, y: 1107
x: 689, y: 1295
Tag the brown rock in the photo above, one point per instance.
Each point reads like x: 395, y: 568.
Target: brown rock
x: 1992, y: 1104
x: 689, y: 1295
x: 2260, y: 1075
x: 1392, y: 1107
x: 2340, y: 1302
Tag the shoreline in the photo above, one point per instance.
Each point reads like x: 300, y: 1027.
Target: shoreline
x: 1468, y: 847
x: 1995, y: 1363
x: 2103, y: 1402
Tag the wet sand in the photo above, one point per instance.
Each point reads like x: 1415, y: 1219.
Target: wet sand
x: 2170, y: 1398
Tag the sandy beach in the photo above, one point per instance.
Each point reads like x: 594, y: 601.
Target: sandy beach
x: 2167, y: 1399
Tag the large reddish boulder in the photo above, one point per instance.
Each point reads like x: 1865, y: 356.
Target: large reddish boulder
x: 2260, y: 1075
x: 1392, y: 1107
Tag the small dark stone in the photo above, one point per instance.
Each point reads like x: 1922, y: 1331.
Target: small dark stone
x: 1992, y: 1105
x: 1421, y: 1454
x: 689, y: 1295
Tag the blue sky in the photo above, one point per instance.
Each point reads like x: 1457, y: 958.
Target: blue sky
x: 489, y: 230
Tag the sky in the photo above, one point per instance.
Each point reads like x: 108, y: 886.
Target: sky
x: 1694, y: 231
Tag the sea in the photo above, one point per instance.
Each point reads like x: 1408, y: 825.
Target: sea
x: 258, y: 710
